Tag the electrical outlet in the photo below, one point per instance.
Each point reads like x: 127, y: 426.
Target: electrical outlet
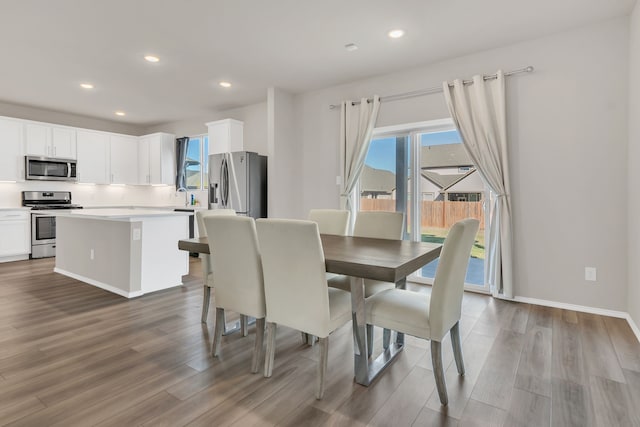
x: 590, y: 274
x: 136, y: 234
x: 91, y: 254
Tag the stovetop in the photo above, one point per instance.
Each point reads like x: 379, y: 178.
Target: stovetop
x: 53, y: 206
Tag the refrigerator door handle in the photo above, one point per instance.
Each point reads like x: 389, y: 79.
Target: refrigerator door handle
x: 224, y: 183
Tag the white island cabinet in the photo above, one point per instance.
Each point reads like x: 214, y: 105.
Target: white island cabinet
x: 130, y: 252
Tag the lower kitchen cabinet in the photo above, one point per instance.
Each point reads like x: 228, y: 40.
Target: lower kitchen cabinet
x: 15, y: 229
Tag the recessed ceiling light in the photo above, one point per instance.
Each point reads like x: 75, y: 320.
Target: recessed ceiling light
x: 86, y: 85
x: 120, y: 113
x: 151, y: 58
x: 225, y: 84
x: 351, y: 47
x: 396, y: 34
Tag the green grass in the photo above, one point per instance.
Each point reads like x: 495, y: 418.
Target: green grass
x: 437, y: 235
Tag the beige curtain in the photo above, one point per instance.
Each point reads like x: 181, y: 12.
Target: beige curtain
x: 479, y: 112
x: 356, y: 127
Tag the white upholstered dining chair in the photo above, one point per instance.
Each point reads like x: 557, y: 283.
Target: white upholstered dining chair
x: 377, y: 225
x: 431, y: 317
x: 331, y: 221
x: 237, y: 276
x: 205, y: 259
x: 294, y: 274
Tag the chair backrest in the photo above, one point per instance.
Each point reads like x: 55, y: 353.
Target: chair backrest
x: 237, y: 269
x: 448, y: 285
x: 200, y: 215
x: 295, y: 284
x: 331, y: 221
x: 202, y: 232
x: 379, y: 225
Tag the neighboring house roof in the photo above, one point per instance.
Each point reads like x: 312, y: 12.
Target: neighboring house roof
x: 377, y: 180
x: 445, y: 181
x: 444, y: 156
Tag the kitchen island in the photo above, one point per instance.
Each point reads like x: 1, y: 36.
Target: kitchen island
x: 130, y: 252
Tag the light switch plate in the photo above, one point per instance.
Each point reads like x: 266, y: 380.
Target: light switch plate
x: 136, y: 234
x: 590, y: 274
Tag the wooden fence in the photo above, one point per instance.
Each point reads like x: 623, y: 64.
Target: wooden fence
x: 434, y: 214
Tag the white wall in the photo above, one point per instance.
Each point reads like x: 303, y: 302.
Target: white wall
x: 253, y: 116
x: 284, y: 166
x: 568, y: 139
x: 94, y: 195
x: 68, y: 119
x: 634, y: 171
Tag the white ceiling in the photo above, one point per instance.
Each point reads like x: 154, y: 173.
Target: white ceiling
x: 47, y: 48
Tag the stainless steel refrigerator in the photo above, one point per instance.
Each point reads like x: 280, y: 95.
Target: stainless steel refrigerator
x: 238, y: 181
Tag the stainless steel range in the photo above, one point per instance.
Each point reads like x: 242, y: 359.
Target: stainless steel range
x: 43, y: 224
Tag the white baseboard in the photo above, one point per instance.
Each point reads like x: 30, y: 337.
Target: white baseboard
x: 633, y: 326
x: 14, y: 258
x: 583, y: 309
x: 98, y: 284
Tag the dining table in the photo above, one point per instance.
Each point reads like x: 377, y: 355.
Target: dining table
x: 363, y: 258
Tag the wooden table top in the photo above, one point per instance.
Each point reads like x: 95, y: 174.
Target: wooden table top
x: 378, y: 259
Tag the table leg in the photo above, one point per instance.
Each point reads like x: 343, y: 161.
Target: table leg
x: 230, y: 328
x: 365, y: 370
x: 361, y: 362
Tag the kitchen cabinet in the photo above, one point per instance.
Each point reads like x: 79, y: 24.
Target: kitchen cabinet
x: 156, y: 159
x: 225, y: 136
x: 15, y: 229
x: 11, y: 154
x: 123, y: 159
x: 50, y: 141
x: 93, y: 151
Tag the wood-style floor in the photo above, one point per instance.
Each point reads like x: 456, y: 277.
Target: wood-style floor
x: 72, y: 354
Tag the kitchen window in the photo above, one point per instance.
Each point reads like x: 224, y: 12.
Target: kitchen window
x: 197, y: 162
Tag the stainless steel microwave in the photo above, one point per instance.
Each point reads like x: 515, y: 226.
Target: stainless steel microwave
x: 49, y: 169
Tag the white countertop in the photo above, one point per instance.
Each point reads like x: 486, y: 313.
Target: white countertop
x: 117, y: 214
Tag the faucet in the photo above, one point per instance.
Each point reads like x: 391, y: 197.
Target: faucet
x: 186, y: 195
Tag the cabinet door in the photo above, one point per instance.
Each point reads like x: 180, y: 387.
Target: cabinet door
x: 63, y: 143
x: 156, y: 159
x: 11, y: 158
x: 38, y: 140
x: 124, y: 159
x: 15, y: 231
x: 93, y: 157
x: 225, y: 136
x: 144, y: 173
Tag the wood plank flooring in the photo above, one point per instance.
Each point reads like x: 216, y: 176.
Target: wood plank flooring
x: 74, y: 355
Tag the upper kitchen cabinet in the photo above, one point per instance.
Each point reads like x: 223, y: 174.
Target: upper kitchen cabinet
x: 11, y: 155
x: 93, y: 157
x: 156, y: 159
x: 225, y: 136
x: 50, y: 141
x: 124, y: 159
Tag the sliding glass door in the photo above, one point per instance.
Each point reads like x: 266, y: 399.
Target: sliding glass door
x: 422, y: 170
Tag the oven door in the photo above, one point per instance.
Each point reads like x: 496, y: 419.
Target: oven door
x: 43, y: 229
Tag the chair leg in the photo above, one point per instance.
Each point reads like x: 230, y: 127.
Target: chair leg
x: 369, y: 340
x: 457, y: 347
x: 244, y: 325
x: 205, y: 303
x: 219, y: 329
x: 386, y: 338
x: 259, y: 346
x: 438, y: 371
x: 271, y: 349
x: 322, y: 366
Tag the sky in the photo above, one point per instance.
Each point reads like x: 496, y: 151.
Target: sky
x: 382, y: 152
